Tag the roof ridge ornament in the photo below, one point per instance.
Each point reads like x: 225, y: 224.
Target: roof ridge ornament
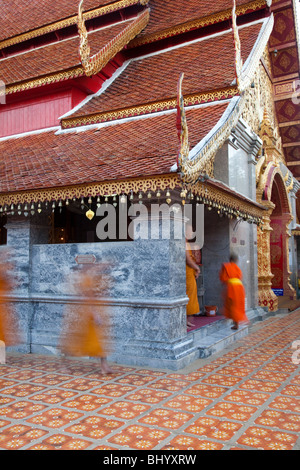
x: 93, y: 65
x: 237, y: 45
x: 182, y: 128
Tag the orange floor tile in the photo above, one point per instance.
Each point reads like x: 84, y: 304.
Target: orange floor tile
x: 243, y: 398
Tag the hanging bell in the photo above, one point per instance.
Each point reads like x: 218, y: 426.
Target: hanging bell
x: 90, y: 214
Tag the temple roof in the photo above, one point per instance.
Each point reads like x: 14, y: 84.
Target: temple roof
x: 54, y: 58
x: 127, y: 129
x: 29, y: 16
x: 150, y: 82
x: 168, y: 18
x: 51, y: 158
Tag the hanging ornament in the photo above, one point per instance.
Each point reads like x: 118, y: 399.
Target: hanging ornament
x: 90, y: 214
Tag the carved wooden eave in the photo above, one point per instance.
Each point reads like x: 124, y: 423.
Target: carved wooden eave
x: 93, y: 65
x: 70, y: 21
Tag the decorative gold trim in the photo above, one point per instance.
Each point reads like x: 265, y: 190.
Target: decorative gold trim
x: 45, y: 80
x: 93, y: 65
x: 196, y: 24
x: 209, y: 193
x: 94, y: 189
x: 189, y: 100
x: 88, y: 15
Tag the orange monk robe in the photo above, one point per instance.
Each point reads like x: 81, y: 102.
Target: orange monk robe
x: 234, y: 303
x: 85, y: 336
x: 192, y: 307
x: 9, y: 333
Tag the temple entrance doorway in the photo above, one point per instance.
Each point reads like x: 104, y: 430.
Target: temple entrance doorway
x: 279, y: 239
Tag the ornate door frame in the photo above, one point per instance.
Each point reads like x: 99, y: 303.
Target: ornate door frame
x: 268, y: 174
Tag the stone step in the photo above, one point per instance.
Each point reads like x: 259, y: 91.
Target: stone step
x: 218, y: 340
x: 214, y: 337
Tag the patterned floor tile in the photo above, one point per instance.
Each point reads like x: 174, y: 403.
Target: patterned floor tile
x: 139, y: 437
x: 247, y: 397
x: 124, y: 410
x: 209, y: 391
x: 191, y: 377
x: 52, y: 379
x: 22, y: 390
x: 169, y: 385
x: 266, y: 439
x: 104, y: 377
x: 5, y: 401
x: 219, y: 379
x: 272, y: 376
x: 21, y: 409
x: 281, y: 367
x: 61, y: 442
x: 23, y: 375
x: 182, y: 442
x: 166, y: 418
x: 246, y: 363
x: 280, y: 420
x: 148, y: 396
x: 86, y: 402
x: 18, y: 436
x: 3, y: 422
x: 81, y: 384
x: 235, y: 371
x: 208, y: 368
x: 155, y: 373
x: 188, y: 403
x: 260, y: 385
x: 136, y: 379
x: 6, y: 370
x: 55, y: 418
x: 105, y: 448
x: 213, y: 428
x: 95, y: 427
x: 113, y: 390
x: 53, y: 396
x: 285, y: 403
x: 232, y: 411
x: 296, y: 380
x: 291, y: 390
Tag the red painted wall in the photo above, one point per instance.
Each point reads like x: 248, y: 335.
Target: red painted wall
x: 37, y: 113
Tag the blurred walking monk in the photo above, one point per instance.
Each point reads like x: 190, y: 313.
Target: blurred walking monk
x: 234, y: 302
x: 192, y: 273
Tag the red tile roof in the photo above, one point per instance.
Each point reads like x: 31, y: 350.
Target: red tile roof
x: 207, y: 65
x: 114, y: 152
x: 166, y: 14
x: 26, y: 15
x: 55, y: 57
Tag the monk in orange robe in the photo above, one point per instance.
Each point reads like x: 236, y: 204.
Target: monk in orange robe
x: 192, y: 273
x: 84, y: 333
x: 234, y: 302
x: 9, y: 332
